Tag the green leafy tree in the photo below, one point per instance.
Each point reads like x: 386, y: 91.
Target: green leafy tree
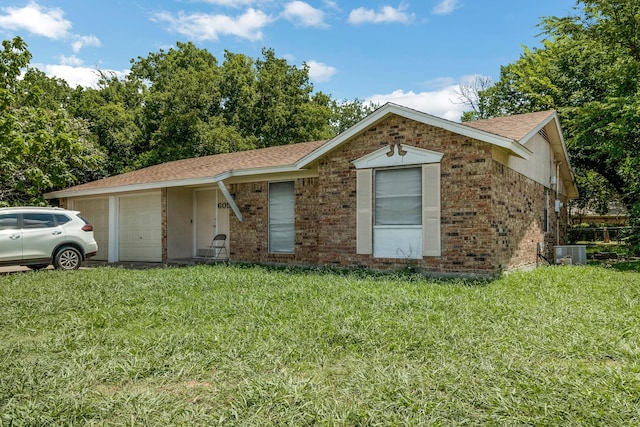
x: 112, y: 112
x: 194, y: 107
x: 39, y: 90
x: 347, y: 113
x: 41, y: 147
x: 183, y: 100
x: 239, y: 93
x: 286, y: 110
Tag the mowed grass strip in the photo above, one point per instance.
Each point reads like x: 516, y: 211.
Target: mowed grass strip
x: 233, y: 345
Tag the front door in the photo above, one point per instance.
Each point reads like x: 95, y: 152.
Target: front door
x: 212, y: 218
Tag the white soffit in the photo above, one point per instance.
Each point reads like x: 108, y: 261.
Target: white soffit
x: 559, y: 148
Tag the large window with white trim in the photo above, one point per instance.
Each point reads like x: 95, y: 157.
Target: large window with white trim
x: 398, y: 203
x: 397, y: 213
x: 281, y: 217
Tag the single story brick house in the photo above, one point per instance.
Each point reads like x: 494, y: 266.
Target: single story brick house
x: 399, y: 188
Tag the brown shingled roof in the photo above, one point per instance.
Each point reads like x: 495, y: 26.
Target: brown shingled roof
x: 202, y: 168
x: 514, y: 127
x: 208, y: 166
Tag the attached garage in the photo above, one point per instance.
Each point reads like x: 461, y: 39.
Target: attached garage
x: 140, y: 227
x: 96, y: 211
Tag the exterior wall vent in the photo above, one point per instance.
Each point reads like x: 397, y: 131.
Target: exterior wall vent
x: 543, y: 133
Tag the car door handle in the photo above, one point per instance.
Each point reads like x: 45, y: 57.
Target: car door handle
x: 14, y: 237
x: 55, y: 233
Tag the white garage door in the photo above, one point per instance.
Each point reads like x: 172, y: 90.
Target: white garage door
x: 140, y: 228
x: 96, y: 211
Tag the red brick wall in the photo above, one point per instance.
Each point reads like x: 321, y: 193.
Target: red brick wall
x: 465, y: 191
x: 518, y: 218
x: 249, y: 238
x: 491, y: 216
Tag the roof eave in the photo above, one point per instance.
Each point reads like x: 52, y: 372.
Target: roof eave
x: 172, y: 183
x: 558, y: 145
x: 129, y: 188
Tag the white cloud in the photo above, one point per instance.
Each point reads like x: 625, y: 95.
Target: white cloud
x: 439, y: 82
x: 202, y: 26
x: 441, y: 102
x: 37, y: 20
x: 303, y: 14
x: 320, y: 72
x: 331, y: 4
x: 386, y: 14
x: 83, y: 41
x: 70, y: 60
x: 445, y: 7
x: 78, y: 76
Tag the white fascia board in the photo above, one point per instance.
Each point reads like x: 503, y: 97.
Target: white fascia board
x: 168, y: 184
x: 255, y: 171
x: 562, y: 143
x: 538, y: 128
x: 129, y: 188
x: 510, y: 145
x: 571, y: 189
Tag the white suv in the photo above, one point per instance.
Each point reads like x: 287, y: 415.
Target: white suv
x: 36, y: 237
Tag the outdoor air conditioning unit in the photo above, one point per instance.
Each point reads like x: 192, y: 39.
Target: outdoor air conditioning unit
x: 571, y: 254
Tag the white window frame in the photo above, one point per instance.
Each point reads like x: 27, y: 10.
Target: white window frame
x: 396, y: 240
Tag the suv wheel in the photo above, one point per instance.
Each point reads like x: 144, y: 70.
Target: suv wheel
x: 67, y: 258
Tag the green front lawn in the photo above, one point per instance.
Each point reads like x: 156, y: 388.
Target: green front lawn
x: 212, y: 345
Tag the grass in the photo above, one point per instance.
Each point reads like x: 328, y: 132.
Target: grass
x: 219, y: 345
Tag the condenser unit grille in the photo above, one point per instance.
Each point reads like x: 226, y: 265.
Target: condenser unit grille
x: 571, y: 254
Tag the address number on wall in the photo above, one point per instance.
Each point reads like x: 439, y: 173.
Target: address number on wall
x: 223, y: 205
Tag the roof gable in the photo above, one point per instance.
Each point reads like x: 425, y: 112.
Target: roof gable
x: 523, y: 127
x: 509, y: 144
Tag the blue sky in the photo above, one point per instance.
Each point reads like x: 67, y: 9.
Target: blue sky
x: 414, y: 53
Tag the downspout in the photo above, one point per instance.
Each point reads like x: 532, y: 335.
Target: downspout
x: 557, y: 203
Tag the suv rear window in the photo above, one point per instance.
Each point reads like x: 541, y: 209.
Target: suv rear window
x: 62, y: 219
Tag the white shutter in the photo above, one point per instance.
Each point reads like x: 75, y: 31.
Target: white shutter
x: 364, y: 243
x: 431, y: 209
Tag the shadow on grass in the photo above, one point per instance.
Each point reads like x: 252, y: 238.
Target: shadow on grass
x: 633, y: 266
x: 625, y: 266
x: 406, y: 275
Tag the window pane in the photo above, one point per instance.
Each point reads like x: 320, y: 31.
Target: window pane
x: 9, y: 222
x: 281, y: 217
x: 37, y: 220
x: 62, y: 219
x: 398, y: 195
